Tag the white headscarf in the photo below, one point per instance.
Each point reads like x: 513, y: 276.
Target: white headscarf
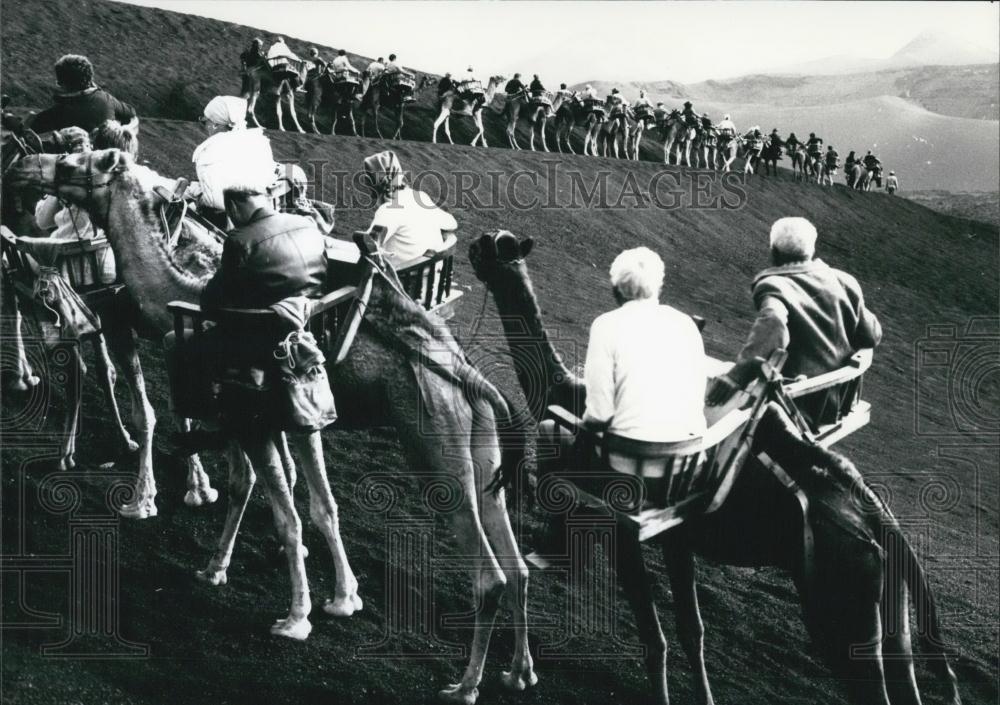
x: 383, y: 173
x: 227, y: 110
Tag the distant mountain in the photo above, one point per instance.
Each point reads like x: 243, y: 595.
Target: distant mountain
x: 929, y: 48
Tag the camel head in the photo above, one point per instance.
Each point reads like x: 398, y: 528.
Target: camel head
x: 496, y: 250
x: 83, y: 179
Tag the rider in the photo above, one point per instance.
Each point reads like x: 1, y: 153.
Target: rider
x: 79, y: 101
x: 706, y: 121
x: 726, y: 127
x: 590, y: 93
x: 253, y: 55
x: 564, y: 91
x: 775, y: 139
x: 645, y: 366
x: 393, y: 66
x: 316, y: 65
x: 445, y: 84
x: 849, y: 162
x: 871, y: 161
x: 376, y: 69
x: 806, y: 307
x: 642, y: 104
x: 814, y: 145
x: 289, y: 192
x: 792, y: 142
x: 536, y: 85
x: 514, y: 85
x: 659, y: 113
x: 832, y: 157
x: 690, y: 117
x: 891, y: 183
x: 342, y: 63
x: 280, y: 50
x: 413, y: 223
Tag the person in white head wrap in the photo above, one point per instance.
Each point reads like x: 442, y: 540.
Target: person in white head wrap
x: 230, y: 146
x: 815, y: 312
x: 413, y: 223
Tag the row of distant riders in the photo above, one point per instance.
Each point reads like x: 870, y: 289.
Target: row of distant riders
x: 612, y: 125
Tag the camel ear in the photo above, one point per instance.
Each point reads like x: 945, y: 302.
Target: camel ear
x: 525, y: 246
x: 108, y: 160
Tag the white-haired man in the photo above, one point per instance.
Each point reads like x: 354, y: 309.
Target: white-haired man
x: 726, y: 127
x: 645, y: 368
x: 815, y: 312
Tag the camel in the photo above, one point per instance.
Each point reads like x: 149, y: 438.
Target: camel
x: 615, y: 129
x: 343, y: 95
x: 858, y: 177
x: 672, y: 129
x: 769, y: 157
x: 707, y: 147
x: 827, y: 170
x: 134, y: 211
x: 260, y: 79
x: 851, y: 591
x: 376, y: 385
x: 573, y: 113
x: 537, y: 115
x: 376, y: 97
x: 452, y: 104
x: 751, y: 156
x: 797, y: 154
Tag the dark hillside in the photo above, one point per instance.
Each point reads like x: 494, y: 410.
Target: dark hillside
x: 210, y: 645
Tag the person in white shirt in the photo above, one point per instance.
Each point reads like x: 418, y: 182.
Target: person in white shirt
x: 726, y: 127
x: 376, y: 69
x: 642, y: 101
x: 229, y: 145
x: 645, y: 370
x: 590, y: 92
x: 342, y: 63
x: 413, y: 224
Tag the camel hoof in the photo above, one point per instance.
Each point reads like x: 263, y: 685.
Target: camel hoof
x: 298, y: 629
x: 519, y: 682
x: 303, y: 549
x: 343, y: 606
x: 141, y: 509
x: 455, y: 693
x: 201, y: 495
x: 212, y: 577
x: 129, y: 446
x: 67, y: 463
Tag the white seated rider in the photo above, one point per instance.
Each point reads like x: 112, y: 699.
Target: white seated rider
x: 376, y: 69
x: 726, y: 127
x: 645, y: 371
x: 413, y: 223
x: 472, y: 82
x: 394, y: 67
x: 280, y: 50
x: 642, y: 101
x: 891, y: 183
x: 563, y: 92
x: 342, y: 63
x: 590, y: 93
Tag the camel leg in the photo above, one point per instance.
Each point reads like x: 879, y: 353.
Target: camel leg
x: 323, y: 511
x: 121, y: 340
x: 897, y: 649
x: 541, y: 132
x: 199, y: 486
x: 241, y: 482
x: 23, y: 377
x: 252, y: 106
x: 447, y: 130
x: 106, y: 377
x: 263, y: 454
x: 351, y: 122
x: 690, y: 630
x: 336, y: 116
x: 496, y: 523
x: 488, y: 585
x: 399, y: 125
x: 75, y: 372
x: 291, y: 110
x: 630, y: 566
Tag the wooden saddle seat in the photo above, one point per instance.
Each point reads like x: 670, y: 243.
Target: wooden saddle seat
x: 81, y: 262
x: 594, y: 105
x: 541, y: 99
x: 659, y: 485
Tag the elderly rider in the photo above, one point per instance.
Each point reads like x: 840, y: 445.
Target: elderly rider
x: 815, y: 312
x: 342, y: 63
x: 409, y: 221
x: 267, y: 257
x: 79, y: 102
x: 645, y: 367
x: 726, y: 127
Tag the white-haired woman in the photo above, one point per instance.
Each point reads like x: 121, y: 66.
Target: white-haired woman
x: 645, y: 368
x: 413, y: 223
x: 229, y: 144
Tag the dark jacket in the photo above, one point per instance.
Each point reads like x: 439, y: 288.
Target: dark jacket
x: 86, y: 109
x: 445, y: 85
x: 536, y: 85
x: 819, y: 317
x: 274, y: 256
x: 513, y: 86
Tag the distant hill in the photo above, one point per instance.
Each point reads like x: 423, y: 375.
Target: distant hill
x: 929, y: 48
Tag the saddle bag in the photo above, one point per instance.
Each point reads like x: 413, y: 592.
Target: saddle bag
x: 61, y: 314
x: 304, y: 399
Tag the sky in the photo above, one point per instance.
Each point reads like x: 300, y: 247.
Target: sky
x: 578, y: 41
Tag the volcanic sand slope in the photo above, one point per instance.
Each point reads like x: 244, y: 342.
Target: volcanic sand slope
x: 211, y: 645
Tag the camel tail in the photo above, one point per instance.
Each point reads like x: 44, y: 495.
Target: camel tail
x: 928, y: 626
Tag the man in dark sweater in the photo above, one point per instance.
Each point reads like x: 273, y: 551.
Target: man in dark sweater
x: 813, y: 311
x: 79, y: 102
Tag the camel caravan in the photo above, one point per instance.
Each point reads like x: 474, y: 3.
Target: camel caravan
x: 344, y: 331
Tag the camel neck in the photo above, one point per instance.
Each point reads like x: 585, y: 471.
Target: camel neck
x: 531, y: 347
x: 145, y: 266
